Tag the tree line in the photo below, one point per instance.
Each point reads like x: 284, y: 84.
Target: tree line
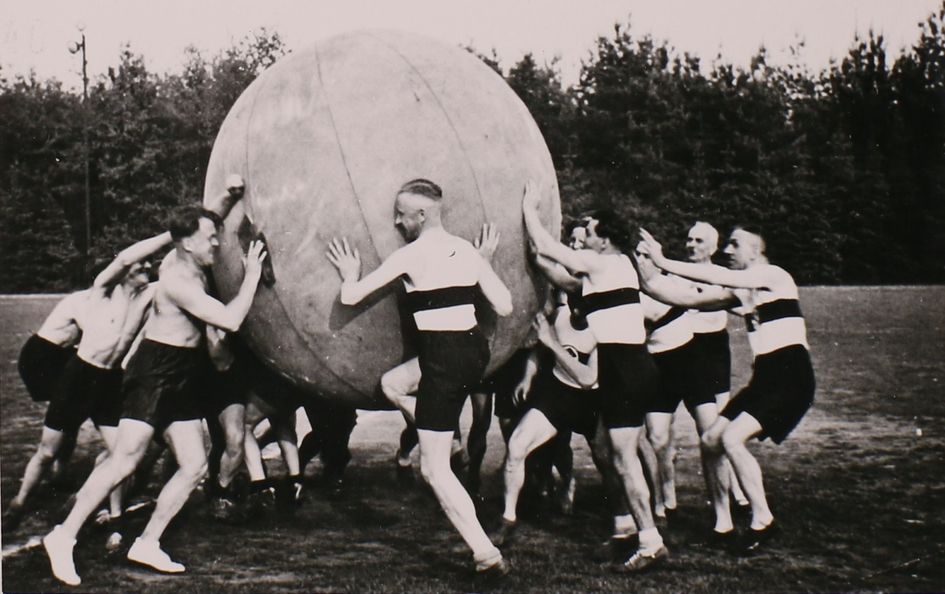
x: 842, y: 169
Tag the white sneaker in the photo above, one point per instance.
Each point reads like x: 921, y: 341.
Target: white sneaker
x: 59, y: 550
x: 148, y: 552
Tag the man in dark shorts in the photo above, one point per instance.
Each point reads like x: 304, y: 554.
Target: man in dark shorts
x: 711, y: 334
x: 781, y: 389
x: 160, y: 383
x: 443, y: 274
x: 110, y: 313
x: 627, y: 375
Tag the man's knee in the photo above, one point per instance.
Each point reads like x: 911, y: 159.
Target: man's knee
x: 659, y: 438
x: 732, y: 442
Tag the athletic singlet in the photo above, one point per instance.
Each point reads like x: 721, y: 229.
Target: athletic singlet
x: 773, y: 318
x: 447, y: 301
x: 669, y: 326
x: 61, y: 326
x: 612, y: 303
x: 579, y: 343
x: 707, y: 322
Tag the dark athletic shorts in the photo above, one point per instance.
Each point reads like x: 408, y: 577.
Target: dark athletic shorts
x: 779, y: 393
x: 628, y: 384
x: 716, y: 358
x: 680, y: 380
x: 162, y: 384
x: 40, y: 365
x: 85, y: 392
x: 220, y: 389
x: 568, y: 408
x: 451, y: 366
x: 503, y: 382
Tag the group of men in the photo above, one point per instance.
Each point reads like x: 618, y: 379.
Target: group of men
x: 623, y: 331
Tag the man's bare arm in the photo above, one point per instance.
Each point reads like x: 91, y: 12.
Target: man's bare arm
x: 192, y: 298
x: 348, y: 263
x: 545, y: 244
x: 223, y: 204
x: 127, y: 257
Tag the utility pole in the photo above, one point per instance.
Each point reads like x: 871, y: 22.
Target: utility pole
x: 74, y: 48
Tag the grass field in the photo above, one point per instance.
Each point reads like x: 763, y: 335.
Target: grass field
x: 859, y: 489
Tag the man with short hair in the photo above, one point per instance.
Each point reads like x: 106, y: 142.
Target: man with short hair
x: 159, y: 387
x: 627, y: 375
x: 110, y: 313
x: 711, y: 333
x: 441, y: 273
x: 781, y: 389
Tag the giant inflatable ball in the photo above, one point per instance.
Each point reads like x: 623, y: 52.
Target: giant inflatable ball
x: 324, y: 139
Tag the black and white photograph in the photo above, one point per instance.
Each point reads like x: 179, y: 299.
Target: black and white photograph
x: 472, y: 296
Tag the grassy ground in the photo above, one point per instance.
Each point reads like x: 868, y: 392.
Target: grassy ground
x: 859, y: 488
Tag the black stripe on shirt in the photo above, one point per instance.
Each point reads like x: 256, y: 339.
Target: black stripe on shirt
x: 773, y: 310
x: 606, y: 299
x: 440, y: 298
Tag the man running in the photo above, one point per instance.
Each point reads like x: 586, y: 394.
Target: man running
x: 781, y: 389
x: 159, y: 388
x: 441, y: 273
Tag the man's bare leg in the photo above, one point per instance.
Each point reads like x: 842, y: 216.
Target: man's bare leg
x: 232, y: 419
x: 50, y: 442
x: 715, y: 468
x: 659, y: 434
x: 534, y: 430
x: 734, y: 440
x: 721, y: 400
x: 453, y: 498
x: 131, y: 442
x: 476, y: 440
x: 186, y: 441
x: 625, y: 441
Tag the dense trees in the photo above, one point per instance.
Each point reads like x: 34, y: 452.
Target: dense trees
x: 844, y: 169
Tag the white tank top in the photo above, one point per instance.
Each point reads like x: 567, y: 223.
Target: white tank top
x: 707, y: 322
x: 446, y: 301
x: 773, y: 317
x: 612, y: 303
x: 669, y: 326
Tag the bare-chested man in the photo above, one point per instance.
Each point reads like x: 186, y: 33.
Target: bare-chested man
x: 159, y: 388
x: 110, y: 313
x: 442, y: 274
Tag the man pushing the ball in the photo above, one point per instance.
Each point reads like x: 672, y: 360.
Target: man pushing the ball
x: 441, y: 273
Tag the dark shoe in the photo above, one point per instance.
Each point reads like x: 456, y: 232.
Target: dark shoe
x: 618, y: 547
x: 640, y: 561
x: 12, y: 517
x: 504, y: 534
x: 722, y: 541
x: 753, y: 540
x: 261, y: 500
x: 404, y: 473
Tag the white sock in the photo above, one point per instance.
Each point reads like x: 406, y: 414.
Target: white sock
x: 650, y: 539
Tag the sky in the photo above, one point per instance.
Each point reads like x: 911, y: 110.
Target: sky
x: 35, y: 34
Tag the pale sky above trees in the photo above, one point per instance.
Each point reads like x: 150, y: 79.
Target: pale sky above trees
x: 35, y: 35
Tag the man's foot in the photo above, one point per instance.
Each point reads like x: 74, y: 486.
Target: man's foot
x: 494, y: 571
x: 404, y: 470
x: 504, y: 534
x: 641, y: 560
x: 753, y: 540
x: 59, y: 550
x: 566, y: 497
x: 12, y: 517
x: 619, y: 546
x: 336, y: 488
x: 261, y: 499
x: 725, y: 541
x: 149, y: 553
x: 113, y: 543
